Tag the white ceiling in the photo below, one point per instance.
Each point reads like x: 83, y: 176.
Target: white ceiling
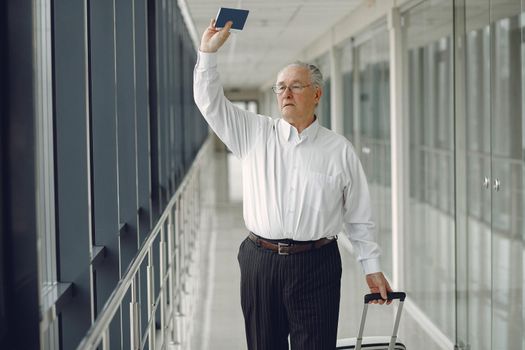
x: 275, y: 33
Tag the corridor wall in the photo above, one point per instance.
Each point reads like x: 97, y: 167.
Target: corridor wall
x: 109, y: 130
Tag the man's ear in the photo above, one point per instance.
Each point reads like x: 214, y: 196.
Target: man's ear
x: 318, y: 94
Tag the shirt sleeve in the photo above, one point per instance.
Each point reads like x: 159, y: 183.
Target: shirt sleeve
x: 357, y: 217
x: 237, y: 128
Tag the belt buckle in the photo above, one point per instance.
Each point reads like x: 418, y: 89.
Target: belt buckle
x: 280, y: 246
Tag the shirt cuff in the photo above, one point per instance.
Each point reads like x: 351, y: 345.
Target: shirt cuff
x: 370, y: 265
x: 207, y: 59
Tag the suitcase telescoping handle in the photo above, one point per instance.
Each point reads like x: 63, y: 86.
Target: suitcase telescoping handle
x: 375, y: 296
x: 390, y: 296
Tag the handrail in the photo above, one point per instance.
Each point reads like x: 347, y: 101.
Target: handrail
x: 99, y: 331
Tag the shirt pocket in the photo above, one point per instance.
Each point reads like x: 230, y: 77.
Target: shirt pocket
x: 321, y: 191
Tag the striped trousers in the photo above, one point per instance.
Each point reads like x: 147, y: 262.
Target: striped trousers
x: 296, y: 295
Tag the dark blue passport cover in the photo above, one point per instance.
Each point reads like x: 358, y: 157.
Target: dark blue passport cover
x: 237, y: 16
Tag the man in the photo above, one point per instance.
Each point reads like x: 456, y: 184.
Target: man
x: 302, y: 184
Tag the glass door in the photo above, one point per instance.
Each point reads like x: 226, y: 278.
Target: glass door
x: 475, y: 257
x: 507, y: 173
x: 490, y: 258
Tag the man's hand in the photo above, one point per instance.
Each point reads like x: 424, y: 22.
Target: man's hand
x: 378, y: 284
x: 212, y: 38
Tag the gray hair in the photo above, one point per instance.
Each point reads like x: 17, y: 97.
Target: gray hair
x: 316, y: 77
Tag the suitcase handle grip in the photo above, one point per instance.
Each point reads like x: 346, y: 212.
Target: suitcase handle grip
x: 390, y: 296
x: 376, y: 296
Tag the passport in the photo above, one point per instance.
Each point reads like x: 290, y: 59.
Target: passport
x: 237, y: 16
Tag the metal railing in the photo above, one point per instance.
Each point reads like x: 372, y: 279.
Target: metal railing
x: 177, y: 231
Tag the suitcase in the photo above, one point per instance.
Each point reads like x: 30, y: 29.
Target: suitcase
x: 375, y: 343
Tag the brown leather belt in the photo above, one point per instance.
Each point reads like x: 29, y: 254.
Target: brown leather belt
x: 289, y: 248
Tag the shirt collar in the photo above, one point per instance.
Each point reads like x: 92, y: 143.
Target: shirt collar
x: 289, y: 132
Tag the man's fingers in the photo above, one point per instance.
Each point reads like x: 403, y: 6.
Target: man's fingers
x: 388, y: 289
x: 379, y: 284
x: 224, y: 33
x: 382, y: 290
x: 213, y: 38
x: 226, y: 29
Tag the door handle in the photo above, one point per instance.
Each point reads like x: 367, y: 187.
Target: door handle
x: 486, y: 183
x: 497, y: 185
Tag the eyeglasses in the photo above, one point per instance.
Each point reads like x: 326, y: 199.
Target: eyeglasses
x: 295, y: 88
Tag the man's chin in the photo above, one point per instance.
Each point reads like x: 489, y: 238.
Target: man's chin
x: 288, y: 112
x: 288, y: 115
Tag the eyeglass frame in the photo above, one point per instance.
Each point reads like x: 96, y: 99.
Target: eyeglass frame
x: 294, y: 85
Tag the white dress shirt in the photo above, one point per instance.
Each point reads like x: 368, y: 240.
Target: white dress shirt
x: 300, y: 186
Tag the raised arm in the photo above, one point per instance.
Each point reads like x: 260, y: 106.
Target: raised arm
x: 237, y: 128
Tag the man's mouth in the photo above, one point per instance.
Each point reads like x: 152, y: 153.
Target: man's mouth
x: 288, y: 105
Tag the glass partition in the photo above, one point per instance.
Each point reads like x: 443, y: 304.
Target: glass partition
x: 429, y: 269
x: 373, y: 127
x: 478, y: 156
x: 348, y: 90
x: 522, y: 24
x: 507, y: 174
x: 323, y: 109
x: 495, y: 169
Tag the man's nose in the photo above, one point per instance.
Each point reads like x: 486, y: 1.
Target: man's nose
x: 287, y: 92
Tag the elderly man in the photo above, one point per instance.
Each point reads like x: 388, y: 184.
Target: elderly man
x: 302, y: 184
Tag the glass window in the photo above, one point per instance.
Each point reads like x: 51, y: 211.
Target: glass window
x: 45, y: 170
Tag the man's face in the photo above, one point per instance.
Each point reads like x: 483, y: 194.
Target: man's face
x: 300, y: 104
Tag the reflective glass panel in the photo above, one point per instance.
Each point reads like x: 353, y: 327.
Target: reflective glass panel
x: 373, y: 144
x: 348, y: 91
x: 429, y: 242
x: 494, y: 131
x: 522, y: 25
x: 478, y: 192
x: 46, y: 235
x: 323, y: 109
x: 507, y: 173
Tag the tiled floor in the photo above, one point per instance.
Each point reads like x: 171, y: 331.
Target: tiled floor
x: 219, y: 323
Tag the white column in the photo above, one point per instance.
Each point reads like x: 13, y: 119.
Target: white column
x: 336, y: 91
x: 399, y: 145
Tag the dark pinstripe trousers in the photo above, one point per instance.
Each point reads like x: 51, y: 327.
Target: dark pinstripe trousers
x: 296, y: 295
